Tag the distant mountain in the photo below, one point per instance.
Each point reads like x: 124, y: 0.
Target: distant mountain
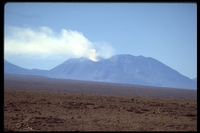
x: 126, y: 69
x: 14, y: 69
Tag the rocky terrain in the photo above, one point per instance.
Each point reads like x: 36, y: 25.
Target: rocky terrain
x: 31, y: 105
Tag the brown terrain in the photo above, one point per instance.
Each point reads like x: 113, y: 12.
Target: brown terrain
x: 33, y: 103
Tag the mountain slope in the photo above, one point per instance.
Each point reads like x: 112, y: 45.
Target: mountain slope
x: 14, y: 69
x: 195, y: 79
x: 123, y: 69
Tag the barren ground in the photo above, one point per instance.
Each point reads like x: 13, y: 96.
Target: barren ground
x: 41, y: 104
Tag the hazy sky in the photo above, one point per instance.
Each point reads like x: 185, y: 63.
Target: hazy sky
x: 43, y: 35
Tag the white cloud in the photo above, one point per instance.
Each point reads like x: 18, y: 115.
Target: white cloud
x: 46, y: 43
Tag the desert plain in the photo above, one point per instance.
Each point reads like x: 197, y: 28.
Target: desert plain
x: 33, y: 103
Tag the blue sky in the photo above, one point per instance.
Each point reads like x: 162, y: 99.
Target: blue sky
x: 43, y: 35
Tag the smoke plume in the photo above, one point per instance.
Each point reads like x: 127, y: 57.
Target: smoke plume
x: 43, y: 42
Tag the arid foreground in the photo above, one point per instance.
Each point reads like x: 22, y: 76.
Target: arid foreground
x: 48, y: 111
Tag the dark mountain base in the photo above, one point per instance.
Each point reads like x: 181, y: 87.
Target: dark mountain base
x: 43, y: 84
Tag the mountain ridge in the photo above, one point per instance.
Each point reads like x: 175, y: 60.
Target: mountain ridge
x: 124, y: 68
